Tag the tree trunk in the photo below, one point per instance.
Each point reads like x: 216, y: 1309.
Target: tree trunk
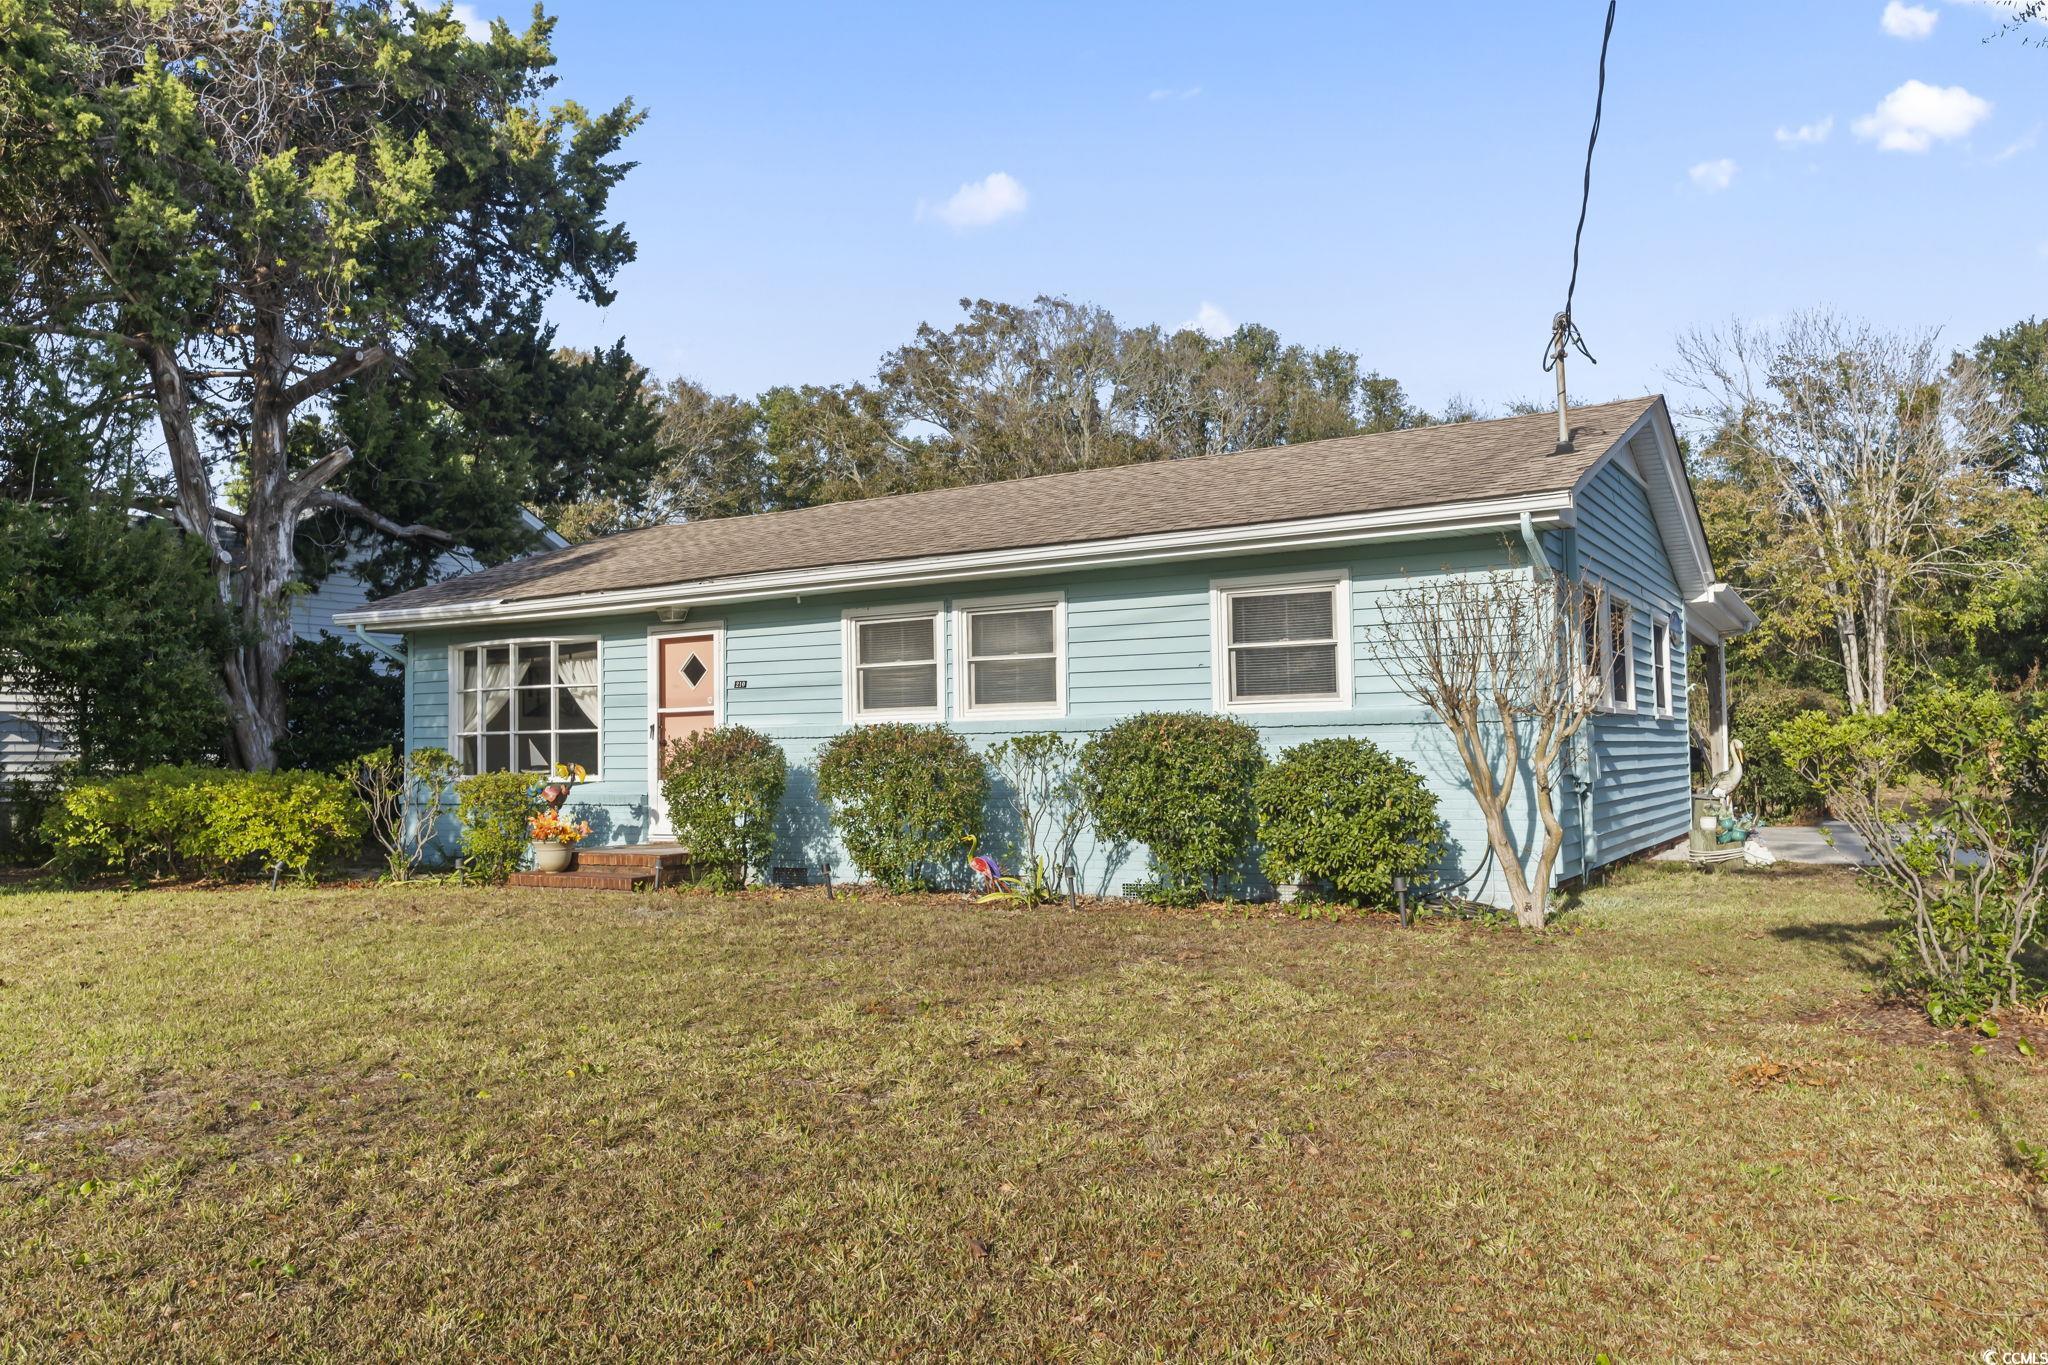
x: 1850, y: 645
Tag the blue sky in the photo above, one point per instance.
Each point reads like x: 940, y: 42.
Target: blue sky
x: 1400, y: 180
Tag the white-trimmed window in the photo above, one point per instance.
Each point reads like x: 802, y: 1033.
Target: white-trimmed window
x: 1660, y: 663
x: 1012, y: 656
x: 526, y: 705
x: 1282, y: 644
x: 892, y: 665
x: 1618, y: 654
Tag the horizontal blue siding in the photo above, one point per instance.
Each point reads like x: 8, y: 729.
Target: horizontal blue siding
x: 1639, y: 762
x: 1137, y: 639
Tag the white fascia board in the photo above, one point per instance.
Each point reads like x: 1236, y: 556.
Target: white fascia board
x: 1690, y: 560
x: 1721, y: 611
x: 1492, y: 514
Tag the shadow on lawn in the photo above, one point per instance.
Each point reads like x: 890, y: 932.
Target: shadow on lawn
x: 1859, y: 943
x: 2001, y: 1132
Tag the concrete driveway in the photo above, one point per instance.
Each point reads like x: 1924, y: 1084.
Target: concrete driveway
x: 1810, y: 845
x: 1830, y: 844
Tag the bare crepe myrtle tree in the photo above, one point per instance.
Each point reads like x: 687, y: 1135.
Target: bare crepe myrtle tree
x: 1508, y: 661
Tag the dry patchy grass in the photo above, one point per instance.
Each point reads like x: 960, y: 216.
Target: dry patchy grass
x: 430, y: 1122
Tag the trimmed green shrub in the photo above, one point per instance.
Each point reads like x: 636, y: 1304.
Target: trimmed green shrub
x: 183, y: 820
x: 1938, y: 789
x: 723, y: 788
x: 905, y: 799
x: 493, y: 809
x: 1346, y: 812
x: 1180, y: 784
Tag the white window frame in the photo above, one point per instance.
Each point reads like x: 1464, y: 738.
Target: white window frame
x: 1221, y: 593
x: 849, y: 654
x: 1662, y: 683
x: 1608, y: 701
x: 963, y: 670
x: 456, y: 734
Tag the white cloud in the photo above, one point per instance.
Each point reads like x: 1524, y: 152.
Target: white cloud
x: 1714, y: 176
x: 1817, y: 131
x: 1910, y: 22
x: 1159, y: 96
x: 1210, y: 321
x: 979, y: 202
x: 1917, y: 115
x: 474, y: 24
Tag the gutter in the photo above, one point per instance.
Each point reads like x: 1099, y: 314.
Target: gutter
x: 1497, y: 515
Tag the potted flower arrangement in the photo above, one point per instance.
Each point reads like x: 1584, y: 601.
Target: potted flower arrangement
x: 555, y: 839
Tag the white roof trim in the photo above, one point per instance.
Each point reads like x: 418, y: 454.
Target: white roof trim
x: 1405, y: 523
x: 1677, y: 517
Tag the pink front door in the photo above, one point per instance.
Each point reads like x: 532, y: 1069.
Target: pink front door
x: 685, y: 685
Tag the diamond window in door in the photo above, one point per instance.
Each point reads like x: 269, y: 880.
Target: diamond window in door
x: 684, y: 703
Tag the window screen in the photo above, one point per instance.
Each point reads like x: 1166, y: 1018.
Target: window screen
x: 897, y: 664
x: 1283, y: 644
x: 1621, y: 657
x: 1013, y: 658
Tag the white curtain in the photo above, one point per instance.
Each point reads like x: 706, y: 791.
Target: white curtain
x: 578, y: 673
x: 496, y: 682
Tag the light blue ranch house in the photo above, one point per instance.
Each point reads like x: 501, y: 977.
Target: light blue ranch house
x: 1248, y: 584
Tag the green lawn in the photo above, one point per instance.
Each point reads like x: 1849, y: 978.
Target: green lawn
x: 432, y: 1122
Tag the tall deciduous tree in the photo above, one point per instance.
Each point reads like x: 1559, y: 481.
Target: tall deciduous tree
x: 1869, y: 460
x: 260, y: 209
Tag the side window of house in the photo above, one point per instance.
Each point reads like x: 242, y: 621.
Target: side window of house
x: 1012, y: 658
x: 895, y: 667
x: 526, y: 705
x: 1660, y: 663
x: 1621, y: 656
x: 1283, y: 645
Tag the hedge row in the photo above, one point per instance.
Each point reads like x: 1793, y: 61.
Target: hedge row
x: 184, y: 820
x: 1197, y: 791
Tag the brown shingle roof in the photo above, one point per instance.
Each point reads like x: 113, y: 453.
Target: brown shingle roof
x: 1463, y: 462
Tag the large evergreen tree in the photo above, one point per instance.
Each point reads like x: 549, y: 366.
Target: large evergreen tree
x: 315, y: 236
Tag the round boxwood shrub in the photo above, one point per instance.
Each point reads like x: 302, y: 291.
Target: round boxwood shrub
x: 1347, y: 813
x: 905, y: 799
x: 723, y: 788
x: 493, y: 809
x: 1180, y: 784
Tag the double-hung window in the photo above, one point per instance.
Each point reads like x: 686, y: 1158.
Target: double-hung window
x: 1618, y: 654
x: 1282, y: 644
x: 1011, y: 657
x: 892, y: 668
x: 526, y: 705
x: 1660, y: 664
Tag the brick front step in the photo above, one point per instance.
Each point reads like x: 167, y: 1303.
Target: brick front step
x: 620, y: 879
x: 667, y: 857
x: 626, y: 868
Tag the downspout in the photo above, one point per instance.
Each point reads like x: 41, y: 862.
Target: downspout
x: 379, y: 647
x: 1578, y: 773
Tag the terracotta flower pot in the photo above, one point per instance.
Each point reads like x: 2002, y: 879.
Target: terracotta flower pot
x: 552, y: 856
